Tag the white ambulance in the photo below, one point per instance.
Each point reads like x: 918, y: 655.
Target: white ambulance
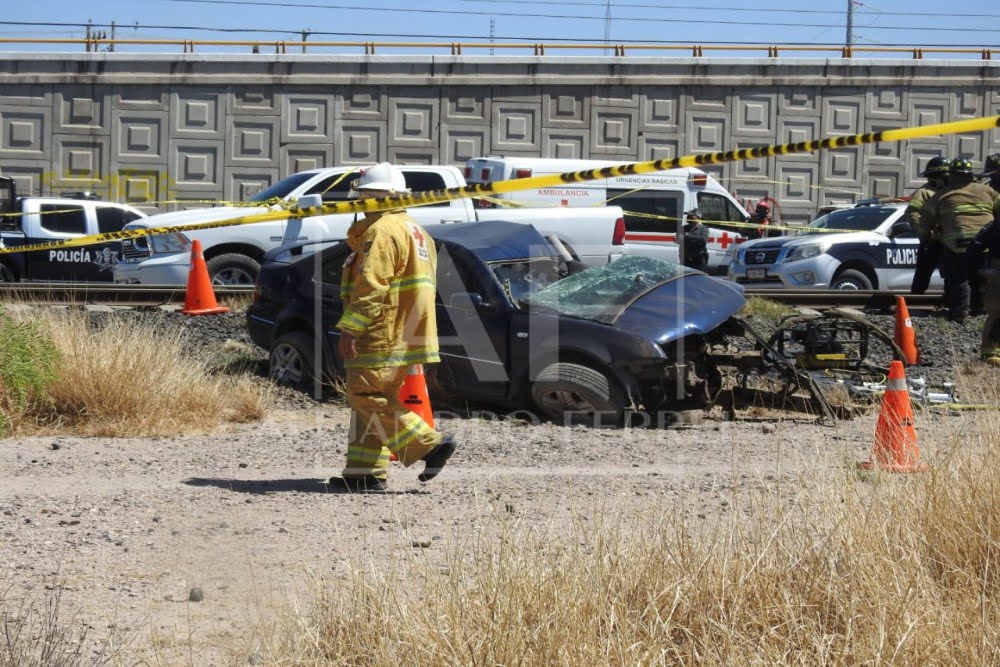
x: 654, y: 203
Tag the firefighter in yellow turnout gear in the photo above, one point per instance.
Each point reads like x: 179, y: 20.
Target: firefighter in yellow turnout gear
x: 388, y: 291
x: 960, y: 210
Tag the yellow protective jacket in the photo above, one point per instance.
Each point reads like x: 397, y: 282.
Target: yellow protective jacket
x: 960, y: 211
x: 388, y: 289
x: 915, y: 210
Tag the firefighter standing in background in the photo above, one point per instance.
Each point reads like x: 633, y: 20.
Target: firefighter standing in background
x: 984, y: 254
x: 991, y: 171
x: 929, y: 250
x: 388, y: 290
x: 695, y: 242
x: 762, y: 218
x: 960, y: 210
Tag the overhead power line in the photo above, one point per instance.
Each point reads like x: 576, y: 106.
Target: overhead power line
x: 438, y: 36
x: 709, y: 8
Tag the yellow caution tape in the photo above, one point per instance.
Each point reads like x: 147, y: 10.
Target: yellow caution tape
x: 547, y: 181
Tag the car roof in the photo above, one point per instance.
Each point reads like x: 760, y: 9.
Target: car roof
x: 495, y: 240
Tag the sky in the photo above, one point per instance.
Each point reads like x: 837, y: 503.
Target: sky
x: 817, y: 22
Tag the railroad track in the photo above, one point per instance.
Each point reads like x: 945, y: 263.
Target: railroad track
x: 106, y: 294
x: 156, y: 295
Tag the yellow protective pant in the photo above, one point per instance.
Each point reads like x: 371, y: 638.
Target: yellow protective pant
x: 991, y: 304
x: 381, y: 424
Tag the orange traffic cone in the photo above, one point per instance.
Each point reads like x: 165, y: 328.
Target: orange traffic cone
x: 895, y: 448
x: 200, y: 297
x: 904, y: 335
x: 413, y: 394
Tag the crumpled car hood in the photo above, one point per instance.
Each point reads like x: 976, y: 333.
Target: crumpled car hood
x: 658, y: 300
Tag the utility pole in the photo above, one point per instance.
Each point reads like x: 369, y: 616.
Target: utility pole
x: 607, y: 26
x: 89, y: 23
x: 111, y: 46
x: 850, y: 23
x: 305, y: 36
x: 493, y: 34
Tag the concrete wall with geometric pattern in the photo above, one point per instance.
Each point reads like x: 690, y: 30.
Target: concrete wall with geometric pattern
x: 153, y: 128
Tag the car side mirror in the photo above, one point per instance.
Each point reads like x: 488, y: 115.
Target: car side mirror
x: 900, y: 228
x: 467, y: 301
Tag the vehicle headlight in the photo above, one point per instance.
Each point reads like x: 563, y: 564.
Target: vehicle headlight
x: 806, y: 251
x: 170, y: 243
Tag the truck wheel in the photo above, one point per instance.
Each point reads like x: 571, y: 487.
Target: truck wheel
x: 851, y: 280
x: 572, y: 394
x: 233, y: 269
x: 292, y: 361
x: 6, y: 275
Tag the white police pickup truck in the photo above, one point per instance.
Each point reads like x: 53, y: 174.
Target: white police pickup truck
x: 31, y: 220
x: 233, y: 254
x: 875, y: 249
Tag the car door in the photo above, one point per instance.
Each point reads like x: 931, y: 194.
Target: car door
x: 899, y: 254
x: 651, y: 221
x: 105, y: 256
x: 59, y: 221
x: 323, y: 304
x: 473, y: 320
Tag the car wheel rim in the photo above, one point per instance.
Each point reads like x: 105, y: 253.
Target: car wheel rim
x: 566, y: 401
x: 232, y: 277
x: 848, y: 286
x: 286, y: 364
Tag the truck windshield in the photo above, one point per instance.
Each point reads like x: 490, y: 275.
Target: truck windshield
x: 865, y: 219
x: 282, y: 188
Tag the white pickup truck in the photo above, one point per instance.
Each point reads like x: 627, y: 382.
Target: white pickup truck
x: 594, y: 235
x: 30, y: 220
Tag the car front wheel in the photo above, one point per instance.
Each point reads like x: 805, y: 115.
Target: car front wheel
x: 293, y: 360
x: 572, y: 394
x: 851, y: 280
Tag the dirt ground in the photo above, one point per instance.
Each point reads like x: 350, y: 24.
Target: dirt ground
x: 126, y: 528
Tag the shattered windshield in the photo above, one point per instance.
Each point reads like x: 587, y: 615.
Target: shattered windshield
x: 863, y: 219
x: 602, y: 293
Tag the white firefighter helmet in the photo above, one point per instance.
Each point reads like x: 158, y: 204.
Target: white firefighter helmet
x: 382, y: 176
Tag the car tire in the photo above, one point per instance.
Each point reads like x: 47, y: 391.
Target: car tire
x: 292, y: 361
x: 851, y: 280
x: 233, y: 269
x: 571, y: 394
x: 6, y: 275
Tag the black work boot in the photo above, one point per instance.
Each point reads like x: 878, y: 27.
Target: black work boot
x: 436, y: 458
x: 358, y: 484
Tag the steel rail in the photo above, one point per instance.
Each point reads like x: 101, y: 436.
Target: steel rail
x: 105, y: 294
x: 153, y: 295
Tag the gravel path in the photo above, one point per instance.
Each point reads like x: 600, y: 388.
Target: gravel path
x: 127, y: 528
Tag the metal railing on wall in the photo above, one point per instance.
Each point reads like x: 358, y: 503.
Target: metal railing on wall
x: 536, y: 48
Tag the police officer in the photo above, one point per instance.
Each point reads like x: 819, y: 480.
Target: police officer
x: 960, y: 210
x: 388, y: 290
x: 695, y: 241
x: 984, y: 254
x: 929, y: 250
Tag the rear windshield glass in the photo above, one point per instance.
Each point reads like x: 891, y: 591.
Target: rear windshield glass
x: 602, y: 293
x: 863, y: 219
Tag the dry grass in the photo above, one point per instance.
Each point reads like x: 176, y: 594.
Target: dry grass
x: 131, y: 378
x: 765, y: 309
x: 843, y: 568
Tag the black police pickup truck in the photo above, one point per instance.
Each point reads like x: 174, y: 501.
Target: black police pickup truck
x: 30, y: 220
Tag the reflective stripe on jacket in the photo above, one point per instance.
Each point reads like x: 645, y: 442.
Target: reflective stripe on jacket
x: 915, y: 210
x: 388, y: 290
x: 961, y: 211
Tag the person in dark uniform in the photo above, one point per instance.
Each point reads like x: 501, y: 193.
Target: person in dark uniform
x: 695, y: 241
x: 991, y: 171
x: 929, y: 250
x: 984, y: 257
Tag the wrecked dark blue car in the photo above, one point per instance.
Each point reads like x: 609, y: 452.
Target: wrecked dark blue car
x: 521, y: 326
